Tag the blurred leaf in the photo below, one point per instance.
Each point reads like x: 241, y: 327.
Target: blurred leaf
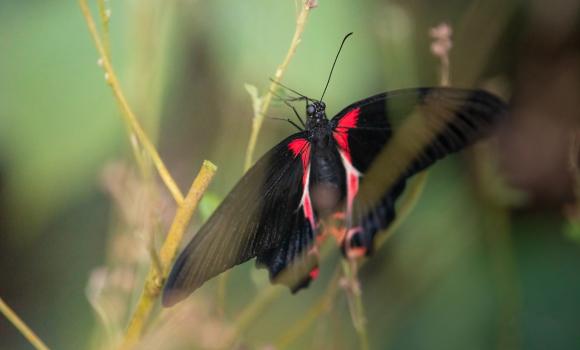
x: 572, y: 231
x: 208, y: 204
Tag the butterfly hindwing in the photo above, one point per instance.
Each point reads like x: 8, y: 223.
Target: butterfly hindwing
x: 262, y: 215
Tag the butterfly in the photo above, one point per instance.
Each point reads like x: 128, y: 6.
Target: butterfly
x: 280, y: 210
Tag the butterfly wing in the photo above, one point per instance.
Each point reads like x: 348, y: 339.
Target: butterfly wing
x: 392, y: 136
x: 262, y: 215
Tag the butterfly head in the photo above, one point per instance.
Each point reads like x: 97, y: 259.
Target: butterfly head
x: 316, y: 114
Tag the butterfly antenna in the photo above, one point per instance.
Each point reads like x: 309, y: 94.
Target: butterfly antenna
x: 335, y: 59
x: 289, y: 89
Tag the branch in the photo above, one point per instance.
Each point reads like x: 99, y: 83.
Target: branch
x: 355, y: 303
x: 154, y: 281
x: 21, y: 326
x: 128, y: 115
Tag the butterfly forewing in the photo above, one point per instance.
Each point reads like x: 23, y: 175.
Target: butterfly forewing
x: 256, y: 217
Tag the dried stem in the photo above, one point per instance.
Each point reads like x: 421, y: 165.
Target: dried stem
x: 105, y: 13
x: 126, y: 110
x: 258, y: 119
x: 356, y: 306
x: 154, y: 281
x: 21, y: 326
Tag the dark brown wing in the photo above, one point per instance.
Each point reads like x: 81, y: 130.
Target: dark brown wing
x: 257, y: 216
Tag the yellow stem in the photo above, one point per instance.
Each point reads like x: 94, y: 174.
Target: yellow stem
x: 104, y: 14
x: 258, y: 119
x: 127, y: 113
x: 154, y: 281
x: 137, y: 153
x: 355, y: 304
x: 21, y: 326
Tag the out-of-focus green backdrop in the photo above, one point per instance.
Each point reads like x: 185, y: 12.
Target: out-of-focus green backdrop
x: 475, y: 266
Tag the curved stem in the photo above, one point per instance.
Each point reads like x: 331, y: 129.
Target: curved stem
x: 155, y: 279
x: 21, y: 326
x: 126, y: 110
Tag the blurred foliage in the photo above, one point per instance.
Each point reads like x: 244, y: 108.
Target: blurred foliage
x: 470, y: 268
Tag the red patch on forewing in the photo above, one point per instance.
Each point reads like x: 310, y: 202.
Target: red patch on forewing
x: 301, y: 147
x: 347, y: 122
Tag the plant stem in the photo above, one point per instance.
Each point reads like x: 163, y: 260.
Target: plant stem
x: 21, y: 326
x: 356, y: 307
x: 104, y: 14
x: 126, y: 110
x: 154, y: 281
x: 258, y: 119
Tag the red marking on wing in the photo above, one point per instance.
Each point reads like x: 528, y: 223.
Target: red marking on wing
x: 301, y: 147
x: 347, y: 122
x: 314, y: 273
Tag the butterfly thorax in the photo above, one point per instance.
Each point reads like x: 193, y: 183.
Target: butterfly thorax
x: 326, y: 183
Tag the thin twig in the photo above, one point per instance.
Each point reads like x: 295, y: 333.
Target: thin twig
x: 126, y: 110
x: 21, y: 326
x: 258, y: 119
x: 105, y: 15
x: 154, y: 281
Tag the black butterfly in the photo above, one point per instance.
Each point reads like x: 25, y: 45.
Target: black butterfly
x: 276, y: 211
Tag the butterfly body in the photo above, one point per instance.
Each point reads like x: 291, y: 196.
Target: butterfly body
x: 274, y: 213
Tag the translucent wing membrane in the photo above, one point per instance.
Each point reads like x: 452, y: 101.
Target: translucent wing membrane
x: 259, y: 215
